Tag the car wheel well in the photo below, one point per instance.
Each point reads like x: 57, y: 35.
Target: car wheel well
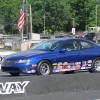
x: 45, y: 59
x: 97, y: 57
x: 94, y: 59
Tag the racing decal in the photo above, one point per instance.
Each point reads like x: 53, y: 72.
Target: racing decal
x: 89, y: 61
x: 31, y: 71
x: 54, y: 64
x: 89, y: 64
x: 55, y: 67
x: 33, y: 65
x: 68, y: 66
x: 63, y: 67
x: 84, y: 64
x: 71, y: 65
x: 83, y: 68
x: 55, y: 70
x: 60, y: 63
x: 78, y: 68
x: 28, y: 71
x: 65, y: 63
x: 78, y: 65
x: 13, y: 87
x: 59, y: 67
x: 67, y: 69
x: 88, y: 67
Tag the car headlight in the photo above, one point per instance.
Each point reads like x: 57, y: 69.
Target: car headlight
x: 24, y: 61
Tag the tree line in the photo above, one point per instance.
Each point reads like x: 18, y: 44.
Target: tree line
x: 60, y: 15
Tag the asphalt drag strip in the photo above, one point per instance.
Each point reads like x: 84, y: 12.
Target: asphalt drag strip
x: 84, y: 95
x: 55, y: 86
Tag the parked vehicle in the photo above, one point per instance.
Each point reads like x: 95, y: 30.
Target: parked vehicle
x: 68, y: 35
x: 78, y: 35
x: 58, y: 36
x: 88, y: 36
x: 44, y: 37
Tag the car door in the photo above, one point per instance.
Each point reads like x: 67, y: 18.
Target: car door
x: 87, y: 54
x: 71, y: 58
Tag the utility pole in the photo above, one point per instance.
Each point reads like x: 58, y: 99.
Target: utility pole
x: 73, y: 22
x: 96, y: 23
x: 26, y: 20
x: 44, y: 23
x: 96, y: 18
x: 30, y: 21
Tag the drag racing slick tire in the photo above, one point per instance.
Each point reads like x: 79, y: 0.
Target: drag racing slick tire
x: 44, y: 68
x: 95, y: 66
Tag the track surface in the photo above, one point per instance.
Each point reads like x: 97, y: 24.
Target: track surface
x: 86, y: 95
x: 83, y: 95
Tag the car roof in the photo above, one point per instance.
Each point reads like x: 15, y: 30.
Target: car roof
x: 65, y: 39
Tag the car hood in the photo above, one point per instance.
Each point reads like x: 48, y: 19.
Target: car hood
x: 27, y: 54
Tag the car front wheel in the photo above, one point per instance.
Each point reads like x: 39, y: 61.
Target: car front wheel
x: 44, y: 68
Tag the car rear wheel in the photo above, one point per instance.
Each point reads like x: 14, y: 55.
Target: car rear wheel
x: 44, y: 68
x: 95, y: 65
x: 14, y: 74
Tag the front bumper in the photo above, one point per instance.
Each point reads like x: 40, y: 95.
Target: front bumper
x: 13, y: 67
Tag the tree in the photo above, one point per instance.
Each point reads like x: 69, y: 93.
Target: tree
x: 84, y: 13
x: 9, y: 14
x: 57, y: 14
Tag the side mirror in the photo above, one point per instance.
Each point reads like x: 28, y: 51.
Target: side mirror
x: 62, y: 50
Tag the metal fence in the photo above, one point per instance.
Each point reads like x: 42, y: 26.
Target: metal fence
x: 12, y: 43
x: 9, y: 44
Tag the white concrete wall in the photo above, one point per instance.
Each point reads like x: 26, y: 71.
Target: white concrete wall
x: 25, y: 44
x: 35, y: 36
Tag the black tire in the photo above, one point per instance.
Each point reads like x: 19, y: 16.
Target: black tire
x: 14, y: 74
x: 95, y: 66
x: 44, y: 68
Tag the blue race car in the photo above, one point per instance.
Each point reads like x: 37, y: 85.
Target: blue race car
x: 54, y: 55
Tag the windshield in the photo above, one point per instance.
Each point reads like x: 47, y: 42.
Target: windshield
x: 49, y: 45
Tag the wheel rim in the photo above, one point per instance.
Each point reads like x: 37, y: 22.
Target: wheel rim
x: 97, y: 65
x: 44, y: 69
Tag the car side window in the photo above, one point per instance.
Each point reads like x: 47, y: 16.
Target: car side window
x: 70, y: 45
x: 86, y: 45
